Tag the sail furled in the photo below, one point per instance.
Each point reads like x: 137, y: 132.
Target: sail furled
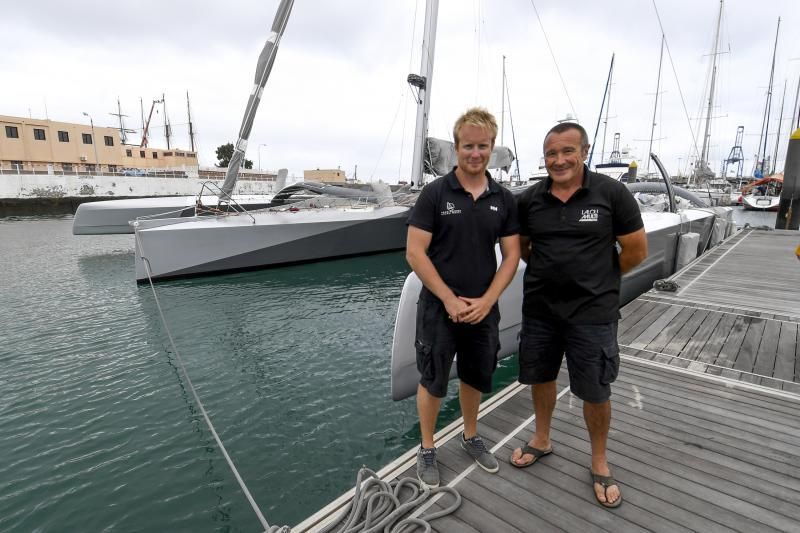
x: 440, y: 157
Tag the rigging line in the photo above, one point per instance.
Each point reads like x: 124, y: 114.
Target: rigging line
x: 677, y: 81
x: 386, y: 141
x: 410, y: 66
x: 253, y: 504
x: 550, y: 48
x: 511, y: 120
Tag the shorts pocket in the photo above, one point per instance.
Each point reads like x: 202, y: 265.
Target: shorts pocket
x: 610, y: 363
x: 424, y: 360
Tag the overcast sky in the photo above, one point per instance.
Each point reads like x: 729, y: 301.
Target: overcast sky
x: 338, y: 96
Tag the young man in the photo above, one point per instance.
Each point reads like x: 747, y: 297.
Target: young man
x: 571, y: 224
x: 452, y: 232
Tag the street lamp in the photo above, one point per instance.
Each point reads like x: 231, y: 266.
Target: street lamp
x: 259, y: 155
x: 94, y: 142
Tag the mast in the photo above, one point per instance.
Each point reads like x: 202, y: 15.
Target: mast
x: 265, y: 61
x: 607, y: 92
x: 655, y: 106
x: 502, y: 114
x: 167, y: 128
x: 762, y: 141
x: 189, y: 113
x: 701, y: 166
x: 778, y: 131
x: 423, y: 85
x: 122, y: 131
x: 608, y: 107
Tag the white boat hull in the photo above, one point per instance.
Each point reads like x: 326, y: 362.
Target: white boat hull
x: 755, y: 202
x: 113, y: 216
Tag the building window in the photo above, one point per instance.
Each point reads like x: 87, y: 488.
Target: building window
x: 129, y: 153
x: 12, y: 132
x: 191, y: 155
x: 66, y: 167
x: 38, y: 134
x: 63, y: 136
x: 91, y: 167
x: 16, y: 165
x: 112, y: 168
x: 167, y: 154
x: 87, y: 138
x: 109, y: 140
x: 155, y: 155
x: 141, y: 153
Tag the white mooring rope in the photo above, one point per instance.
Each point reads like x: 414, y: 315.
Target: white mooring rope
x: 253, y: 504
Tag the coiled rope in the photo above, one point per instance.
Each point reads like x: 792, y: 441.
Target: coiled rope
x: 378, y: 505
x: 239, y: 480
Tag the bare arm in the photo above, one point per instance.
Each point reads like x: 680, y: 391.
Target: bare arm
x: 480, y: 307
x: 417, y: 244
x: 634, y: 249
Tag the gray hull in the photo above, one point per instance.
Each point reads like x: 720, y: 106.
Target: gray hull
x: 113, y: 216
x: 174, y: 248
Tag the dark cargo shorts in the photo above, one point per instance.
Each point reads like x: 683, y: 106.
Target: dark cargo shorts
x: 592, y: 356
x: 439, y: 339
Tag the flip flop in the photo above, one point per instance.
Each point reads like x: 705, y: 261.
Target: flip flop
x: 605, y: 482
x: 530, y: 450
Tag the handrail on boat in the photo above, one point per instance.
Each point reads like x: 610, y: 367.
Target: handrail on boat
x: 221, y: 195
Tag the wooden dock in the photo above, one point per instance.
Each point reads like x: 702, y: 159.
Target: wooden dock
x: 705, y: 433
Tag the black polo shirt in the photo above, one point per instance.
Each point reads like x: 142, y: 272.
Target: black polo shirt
x: 573, y: 274
x: 464, y: 231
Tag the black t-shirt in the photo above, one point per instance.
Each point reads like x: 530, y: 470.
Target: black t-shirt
x: 573, y: 274
x: 464, y: 231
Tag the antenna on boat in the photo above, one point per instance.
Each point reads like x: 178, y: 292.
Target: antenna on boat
x: 422, y: 82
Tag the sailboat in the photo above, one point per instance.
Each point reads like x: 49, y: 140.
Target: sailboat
x: 114, y: 216
x: 328, y: 226
x: 703, y: 182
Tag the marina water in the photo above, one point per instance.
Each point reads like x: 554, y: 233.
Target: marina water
x: 99, y: 432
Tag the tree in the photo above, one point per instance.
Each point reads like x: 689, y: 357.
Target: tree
x: 224, y: 155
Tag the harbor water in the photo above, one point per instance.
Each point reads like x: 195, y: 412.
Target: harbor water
x: 99, y: 431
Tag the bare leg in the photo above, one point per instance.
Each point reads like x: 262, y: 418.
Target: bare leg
x: 428, y: 409
x: 470, y: 400
x: 544, y: 401
x: 598, y: 420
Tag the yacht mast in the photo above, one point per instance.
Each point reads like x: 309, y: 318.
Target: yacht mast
x: 778, y: 131
x: 423, y: 85
x: 701, y: 167
x: 502, y: 114
x: 608, y: 107
x: 265, y: 61
x: 191, y: 128
x: 762, y: 141
x: 655, y: 106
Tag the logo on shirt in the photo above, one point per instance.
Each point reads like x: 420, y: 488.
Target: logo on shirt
x: 493, y: 207
x: 451, y: 209
x: 589, y: 215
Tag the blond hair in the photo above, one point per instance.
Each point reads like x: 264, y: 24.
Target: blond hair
x: 478, y: 117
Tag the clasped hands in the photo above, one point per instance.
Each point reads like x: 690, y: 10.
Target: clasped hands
x: 468, y: 310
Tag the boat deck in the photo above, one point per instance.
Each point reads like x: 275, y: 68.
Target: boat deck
x: 705, y: 434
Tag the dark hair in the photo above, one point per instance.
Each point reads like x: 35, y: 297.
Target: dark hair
x: 561, y: 127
